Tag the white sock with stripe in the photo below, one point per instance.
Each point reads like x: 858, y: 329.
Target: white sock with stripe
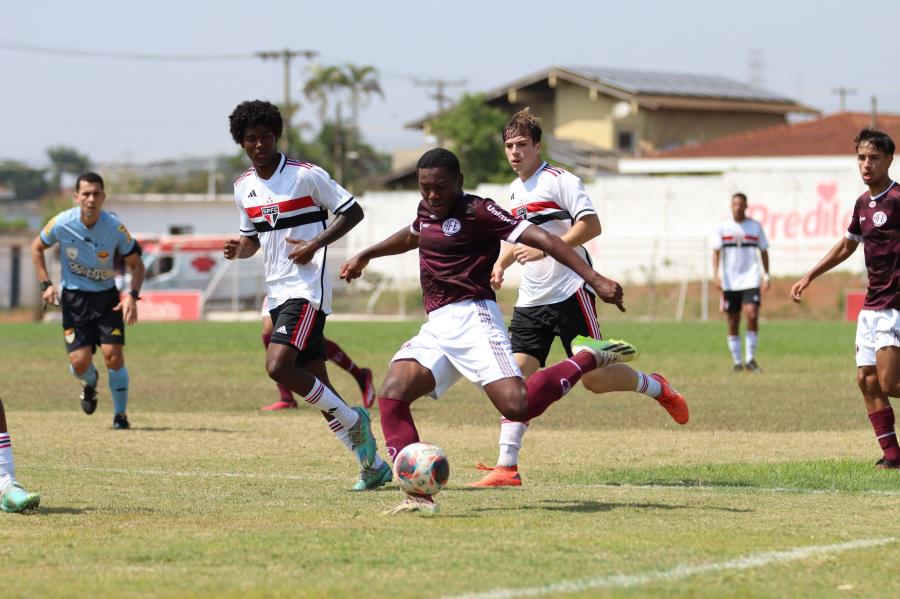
x: 511, y: 434
x: 323, y: 398
x: 7, y: 466
x: 750, y: 344
x: 647, y: 385
x: 734, y: 345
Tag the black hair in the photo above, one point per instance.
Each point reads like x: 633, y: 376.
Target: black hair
x: 252, y: 113
x: 89, y: 177
x: 741, y: 195
x: 440, y: 158
x: 880, y: 140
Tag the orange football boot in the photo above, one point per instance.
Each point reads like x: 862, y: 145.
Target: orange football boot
x: 498, y: 476
x: 672, y: 400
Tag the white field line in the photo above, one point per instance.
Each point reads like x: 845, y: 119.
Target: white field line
x: 625, y: 581
x: 654, y: 487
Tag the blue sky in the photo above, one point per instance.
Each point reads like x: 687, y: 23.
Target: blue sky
x: 116, y: 110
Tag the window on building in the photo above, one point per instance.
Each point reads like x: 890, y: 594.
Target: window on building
x: 181, y: 229
x: 625, y: 142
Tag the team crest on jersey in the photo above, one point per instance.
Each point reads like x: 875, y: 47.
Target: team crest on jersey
x: 69, y: 334
x: 451, y: 226
x: 270, y: 213
x: 520, y: 212
x: 879, y: 218
x: 103, y: 256
x: 71, y: 253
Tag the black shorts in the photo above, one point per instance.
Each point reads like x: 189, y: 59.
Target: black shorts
x: 89, y: 319
x: 533, y: 329
x: 733, y: 300
x: 301, y: 326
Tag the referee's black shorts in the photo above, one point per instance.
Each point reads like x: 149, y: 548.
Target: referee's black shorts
x: 89, y: 319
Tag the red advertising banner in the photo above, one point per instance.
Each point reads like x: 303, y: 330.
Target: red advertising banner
x: 170, y: 305
x: 853, y: 303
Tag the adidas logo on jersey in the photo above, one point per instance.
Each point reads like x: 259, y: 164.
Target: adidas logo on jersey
x: 282, y: 330
x: 252, y: 193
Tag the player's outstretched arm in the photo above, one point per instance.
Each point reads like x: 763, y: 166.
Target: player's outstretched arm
x: 842, y: 250
x: 242, y: 247
x: 399, y: 243
x: 608, y: 291
x: 305, y: 249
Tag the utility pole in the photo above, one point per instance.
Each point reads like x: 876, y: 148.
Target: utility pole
x: 842, y: 93
x: 874, y: 112
x: 756, y: 65
x: 286, y: 56
x: 440, y: 86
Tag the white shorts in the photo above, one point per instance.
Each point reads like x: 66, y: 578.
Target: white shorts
x: 876, y: 329
x: 466, y: 338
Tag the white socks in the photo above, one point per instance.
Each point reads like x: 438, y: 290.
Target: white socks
x: 7, y: 466
x: 647, y: 385
x: 323, y: 398
x: 750, y: 344
x: 511, y: 434
x: 734, y: 345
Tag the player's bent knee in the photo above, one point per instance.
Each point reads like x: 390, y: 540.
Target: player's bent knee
x: 278, y: 368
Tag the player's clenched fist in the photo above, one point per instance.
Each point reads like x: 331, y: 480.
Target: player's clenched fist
x: 230, y: 248
x: 352, y: 268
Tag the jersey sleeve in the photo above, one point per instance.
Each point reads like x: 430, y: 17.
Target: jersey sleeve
x: 574, y: 197
x: 125, y: 243
x: 716, y: 239
x: 329, y: 192
x: 854, y: 230
x: 495, y: 222
x: 48, y: 233
x: 246, y: 227
x: 763, y: 240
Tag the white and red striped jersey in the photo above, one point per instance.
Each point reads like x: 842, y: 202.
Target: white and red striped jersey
x: 738, y: 244
x: 553, y: 199
x: 294, y: 203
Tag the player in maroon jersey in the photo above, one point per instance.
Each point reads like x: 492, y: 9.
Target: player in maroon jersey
x: 875, y: 224
x: 458, y: 237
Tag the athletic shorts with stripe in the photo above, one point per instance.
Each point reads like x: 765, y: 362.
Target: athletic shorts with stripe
x: 732, y: 301
x: 89, y: 320
x: 534, y: 328
x: 466, y: 338
x: 298, y: 324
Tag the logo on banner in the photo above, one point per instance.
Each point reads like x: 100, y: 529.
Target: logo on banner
x: 879, y: 218
x: 270, y: 213
x: 451, y: 226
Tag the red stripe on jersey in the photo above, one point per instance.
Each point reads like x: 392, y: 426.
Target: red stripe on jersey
x: 244, y: 174
x: 727, y: 237
x: 284, y: 206
x: 552, y: 170
x: 751, y: 237
x: 538, y: 206
x: 298, y: 163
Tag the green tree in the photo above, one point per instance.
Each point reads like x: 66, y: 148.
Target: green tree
x: 28, y: 183
x: 363, y: 83
x: 474, y: 130
x: 323, y: 84
x: 67, y: 160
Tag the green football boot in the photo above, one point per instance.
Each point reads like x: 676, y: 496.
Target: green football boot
x: 372, y: 478
x: 607, y: 351
x: 362, y: 438
x: 17, y: 499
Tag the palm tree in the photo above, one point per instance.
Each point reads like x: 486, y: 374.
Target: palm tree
x: 322, y: 82
x: 362, y: 81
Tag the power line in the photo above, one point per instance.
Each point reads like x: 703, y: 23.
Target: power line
x: 286, y: 56
x: 14, y: 46
x: 440, y: 86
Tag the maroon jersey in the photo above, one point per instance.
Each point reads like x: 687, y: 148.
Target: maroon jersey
x: 457, y: 253
x: 876, y: 223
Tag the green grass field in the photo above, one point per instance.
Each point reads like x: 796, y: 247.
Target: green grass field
x: 770, y: 490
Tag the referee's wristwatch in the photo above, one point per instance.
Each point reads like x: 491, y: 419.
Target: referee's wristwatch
x: 135, y: 294
x: 45, y: 285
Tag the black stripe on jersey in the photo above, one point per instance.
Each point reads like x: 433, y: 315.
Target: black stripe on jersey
x: 322, y: 275
x: 586, y: 210
x: 292, y: 221
x: 542, y: 218
x: 746, y: 244
x: 340, y: 208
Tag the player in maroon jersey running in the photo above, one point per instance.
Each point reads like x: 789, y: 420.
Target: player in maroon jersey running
x: 458, y: 237
x: 875, y: 224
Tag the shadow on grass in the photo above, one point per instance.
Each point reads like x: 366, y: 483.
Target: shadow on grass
x: 590, y: 507
x: 686, y: 482
x: 52, y: 511
x: 156, y: 429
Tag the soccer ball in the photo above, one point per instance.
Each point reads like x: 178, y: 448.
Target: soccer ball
x: 421, y: 469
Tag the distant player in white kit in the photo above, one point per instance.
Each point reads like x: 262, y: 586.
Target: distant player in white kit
x: 739, y: 246
x: 554, y: 301
x: 283, y: 205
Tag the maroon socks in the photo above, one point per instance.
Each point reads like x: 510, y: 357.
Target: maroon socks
x: 883, y: 423
x: 397, y: 425
x: 548, y: 385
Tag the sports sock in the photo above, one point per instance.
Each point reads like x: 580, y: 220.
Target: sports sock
x: 334, y: 353
x: 284, y: 392
x: 647, y: 385
x: 883, y: 423
x: 511, y: 433
x: 89, y: 377
x: 118, y: 386
x: 7, y: 466
x: 397, y: 425
x: 344, y: 437
x: 734, y: 345
x: 548, y: 385
x: 323, y: 398
x: 750, y: 345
